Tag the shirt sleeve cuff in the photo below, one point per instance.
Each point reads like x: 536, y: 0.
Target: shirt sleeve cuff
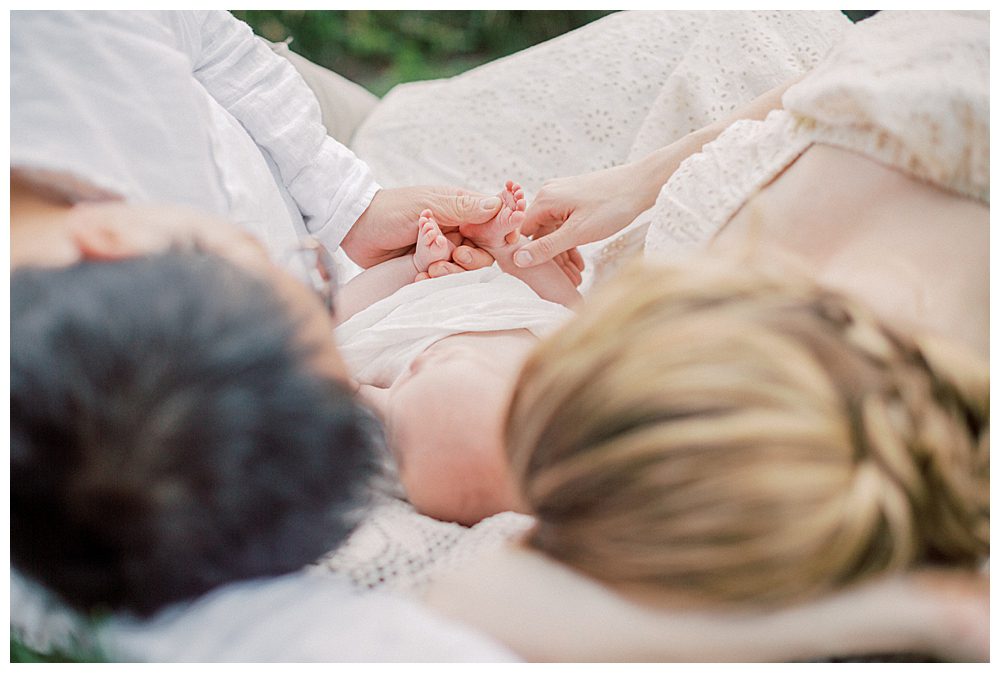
x: 358, y: 194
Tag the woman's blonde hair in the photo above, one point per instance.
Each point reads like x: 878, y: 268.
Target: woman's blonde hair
x: 744, y: 436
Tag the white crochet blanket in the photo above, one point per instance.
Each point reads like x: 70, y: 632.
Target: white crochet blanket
x: 400, y: 550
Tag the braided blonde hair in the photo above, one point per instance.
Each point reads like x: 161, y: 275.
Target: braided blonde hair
x: 740, y: 436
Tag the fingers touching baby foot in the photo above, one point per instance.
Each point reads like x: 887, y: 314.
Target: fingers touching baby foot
x: 505, y: 227
x: 471, y: 257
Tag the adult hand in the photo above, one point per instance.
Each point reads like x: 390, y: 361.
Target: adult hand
x: 388, y: 227
x: 571, y: 211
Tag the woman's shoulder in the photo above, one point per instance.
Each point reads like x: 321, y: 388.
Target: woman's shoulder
x: 910, y: 89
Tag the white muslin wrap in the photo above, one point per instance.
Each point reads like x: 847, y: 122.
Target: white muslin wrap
x: 379, y: 342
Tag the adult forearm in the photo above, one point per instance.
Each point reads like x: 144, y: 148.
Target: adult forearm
x: 580, y: 209
x: 545, y: 611
x: 655, y: 169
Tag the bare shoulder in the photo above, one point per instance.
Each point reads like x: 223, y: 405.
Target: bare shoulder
x: 919, y: 255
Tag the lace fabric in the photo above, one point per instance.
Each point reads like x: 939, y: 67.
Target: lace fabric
x: 599, y: 96
x: 397, y: 549
x: 907, y: 89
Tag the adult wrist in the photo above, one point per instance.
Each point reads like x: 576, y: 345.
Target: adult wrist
x: 368, y: 211
x: 655, y: 169
x: 648, y: 176
x: 350, y: 243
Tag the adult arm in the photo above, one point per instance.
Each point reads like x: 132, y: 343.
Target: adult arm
x: 340, y: 201
x: 585, y: 208
x: 546, y: 612
x: 329, y: 184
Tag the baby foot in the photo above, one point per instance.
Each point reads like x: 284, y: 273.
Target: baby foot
x: 504, y: 228
x: 432, y: 246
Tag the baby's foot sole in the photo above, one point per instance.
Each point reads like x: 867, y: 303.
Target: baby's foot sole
x: 505, y: 227
x: 432, y: 246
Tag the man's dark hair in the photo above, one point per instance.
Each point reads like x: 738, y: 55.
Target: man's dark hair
x: 168, y: 435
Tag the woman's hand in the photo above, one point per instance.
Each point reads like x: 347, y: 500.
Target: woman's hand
x: 388, y: 227
x: 571, y: 211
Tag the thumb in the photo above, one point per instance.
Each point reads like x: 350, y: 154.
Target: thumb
x: 455, y: 209
x: 543, y: 249
x: 538, y: 215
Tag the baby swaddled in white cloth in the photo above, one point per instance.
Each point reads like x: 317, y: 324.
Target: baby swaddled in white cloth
x: 438, y: 360
x: 379, y: 342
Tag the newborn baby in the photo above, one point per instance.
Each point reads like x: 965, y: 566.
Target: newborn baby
x: 438, y: 359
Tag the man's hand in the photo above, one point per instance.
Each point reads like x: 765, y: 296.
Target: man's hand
x: 388, y: 227
x: 467, y: 256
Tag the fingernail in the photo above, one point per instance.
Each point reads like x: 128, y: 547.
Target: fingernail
x: 463, y: 256
x: 490, y: 204
x: 522, y: 258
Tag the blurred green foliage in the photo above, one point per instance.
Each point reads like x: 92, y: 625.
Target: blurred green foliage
x: 379, y: 49
x: 856, y: 15
x: 22, y: 654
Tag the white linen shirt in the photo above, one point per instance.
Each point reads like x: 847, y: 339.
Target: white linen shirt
x: 307, y: 616
x: 178, y: 107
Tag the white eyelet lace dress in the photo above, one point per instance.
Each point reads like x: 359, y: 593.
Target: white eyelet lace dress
x: 907, y: 89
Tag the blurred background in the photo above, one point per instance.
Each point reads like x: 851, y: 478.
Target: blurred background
x: 380, y: 49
